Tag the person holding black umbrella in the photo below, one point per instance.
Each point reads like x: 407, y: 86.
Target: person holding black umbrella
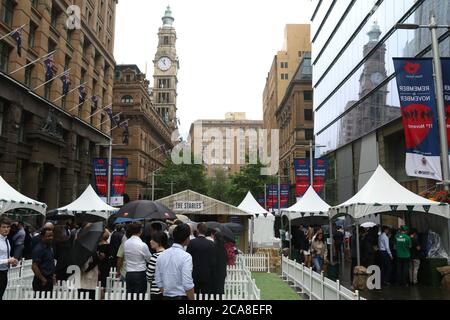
x: 137, y: 255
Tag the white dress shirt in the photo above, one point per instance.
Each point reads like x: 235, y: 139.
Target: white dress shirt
x: 5, y: 254
x: 137, y: 255
x: 383, y: 244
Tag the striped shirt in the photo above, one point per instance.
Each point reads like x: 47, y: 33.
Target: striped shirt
x: 150, y: 273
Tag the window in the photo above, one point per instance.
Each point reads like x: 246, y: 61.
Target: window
x: 47, y: 89
x: 83, y: 76
x: 32, y: 36
x: 127, y: 78
x: 284, y: 76
x: 117, y: 75
x: 2, y: 116
x: 308, y: 114
x: 51, y: 46
x: 164, y: 83
x: 4, y: 56
x: 54, y: 16
x: 284, y: 65
x: 163, y: 97
x: 28, y: 73
x: 34, y: 3
x: 6, y: 11
x: 67, y: 62
x: 309, y: 134
x: 127, y: 99
x: 307, y: 95
x: 166, y: 40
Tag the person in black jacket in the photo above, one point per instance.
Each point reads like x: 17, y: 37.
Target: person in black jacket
x: 203, y: 259
x: 220, y: 270
x: 300, y: 243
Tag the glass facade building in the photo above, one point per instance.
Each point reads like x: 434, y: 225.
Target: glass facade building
x: 353, y: 43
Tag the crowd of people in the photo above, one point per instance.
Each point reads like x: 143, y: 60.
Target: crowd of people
x: 174, y: 263
x: 396, y: 252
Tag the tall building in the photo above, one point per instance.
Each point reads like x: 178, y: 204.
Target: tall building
x: 149, y: 136
x: 354, y: 86
x: 283, y: 68
x: 295, y: 119
x: 166, y: 65
x: 225, y: 143
x: 47, y: 140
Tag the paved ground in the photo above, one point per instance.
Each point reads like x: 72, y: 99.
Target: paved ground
x: 273, y: 287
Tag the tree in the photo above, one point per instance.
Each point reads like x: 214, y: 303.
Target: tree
x: 182, y: 177
x: 218, y: 185
x: 248, y: 179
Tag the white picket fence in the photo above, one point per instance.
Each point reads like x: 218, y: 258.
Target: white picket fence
x: 255, y: 262
x: 239, y: 285
x: 315, y: 286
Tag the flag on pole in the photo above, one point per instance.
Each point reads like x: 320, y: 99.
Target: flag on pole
x: 116, y: 119
x: 65, y: 78
x: 109, y: 112
x: 124, y: 126
x: 50, y: 68
x: 94, y: 101
x: 17, y: 35
x: 82, y: 93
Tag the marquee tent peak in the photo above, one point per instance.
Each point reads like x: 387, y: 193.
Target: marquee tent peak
x: 311, y: 204
x: 252, y: 206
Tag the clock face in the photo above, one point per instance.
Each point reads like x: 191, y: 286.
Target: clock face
x: 376, y: 78
x: 164, y: 63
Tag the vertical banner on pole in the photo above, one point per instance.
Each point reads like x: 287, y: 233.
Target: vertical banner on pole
x: 320, y: 170
x: 284, y: 197
x: 100, y: 166
x: 119, y: 176
x: 420, y: 121
x: 272, y: 196
x: 446, y: 79
x: 261, y: 200
x: 302, y: 179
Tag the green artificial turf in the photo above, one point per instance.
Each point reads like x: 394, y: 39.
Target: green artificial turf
x: 273, y: 287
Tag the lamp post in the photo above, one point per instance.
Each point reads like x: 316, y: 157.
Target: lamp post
x: 438, y: 80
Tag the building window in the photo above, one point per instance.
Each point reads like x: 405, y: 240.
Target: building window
x: 307, y: 95
x: 127, y: 99
x: 6, y: 11
x: 284, y: 76
x: 54, y: 16
x: 308, y: 114
x: 4, y: 56
x: 32, y: 36
x: 166, y: 40
x: 67, y: 61
x: 83, y: 75
x: 309, y: 134
x: 128, y: 78
x: 164, y: 83
x: 117, y: 76
x: 47, y: 89
x: 284, y: 65
x: 34, y: 3
x: 51, y: 46
x: 28, y: 73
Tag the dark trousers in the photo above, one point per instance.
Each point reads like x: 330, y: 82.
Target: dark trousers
x: 156, y: 297
x: 385, y: 266
x: 352, y: 268
x: 175, y: 298
x: 3, y: 282
x: 136, y: 282
x: 38, y: 286
x: 202, y: 287
x: 402, y: 271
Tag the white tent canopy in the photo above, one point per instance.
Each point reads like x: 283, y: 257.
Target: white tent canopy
x: 263, y: 229
x: 89, y: 203
x: 382, y: 194
x: 11, y: 199
x: 310, y: 205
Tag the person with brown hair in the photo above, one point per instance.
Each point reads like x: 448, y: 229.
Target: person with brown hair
x: 5, y: 254
x: 319, y: 252
x: 307, y: 250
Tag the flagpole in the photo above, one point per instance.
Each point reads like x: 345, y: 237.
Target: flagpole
x: 101, y: 109
x: 50, y: 80
x: 107, y: 120
x: 7, y: 35
x: 69, y: 92
x: 32, y: 62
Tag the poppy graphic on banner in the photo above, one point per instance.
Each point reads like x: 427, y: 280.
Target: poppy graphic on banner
x: 284, y: 197
x: 320, y: 170
x: 100, y: 166
x: 419, y: 113
x: 446, y: 78
x: 119, y: 176
x: 302, y: 179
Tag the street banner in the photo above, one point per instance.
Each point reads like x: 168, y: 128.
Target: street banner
x: 100, y: 168
x: 261, y: 200
x: 320, y: 170
x: 272, y: 196
x: 419, y: 112
x: 284, y: 197
x: 119, y: 176
x: 302, y: 180
x: 446, y: 79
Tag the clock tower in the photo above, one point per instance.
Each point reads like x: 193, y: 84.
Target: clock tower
x: 166, y: 67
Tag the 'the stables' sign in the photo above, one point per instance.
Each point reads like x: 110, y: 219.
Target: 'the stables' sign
x: 188, y: 206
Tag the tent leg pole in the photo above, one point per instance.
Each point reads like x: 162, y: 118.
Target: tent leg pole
x: 290, y: 239
x: 331, y: 243
x: 358, y: 258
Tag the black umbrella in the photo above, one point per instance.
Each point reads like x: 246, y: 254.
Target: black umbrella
x: 144, y: 209
x: 235, y: 227
x: 150, y: 226
x: 86, y: 243
x: 226, y: 231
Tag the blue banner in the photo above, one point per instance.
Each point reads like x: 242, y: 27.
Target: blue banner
x: 420, y: 121
x: 446, y: 79
x: 100, y: 170
x: 320, y: 170
x: 119, y: 176
x: 302, y: 180
x: 272, y: 196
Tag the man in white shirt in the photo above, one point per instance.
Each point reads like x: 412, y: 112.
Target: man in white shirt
x: 137, y: 255
x: 386, y: 255
x: 5, y: 254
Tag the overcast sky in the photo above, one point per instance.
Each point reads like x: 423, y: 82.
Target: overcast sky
x: 225, y: 48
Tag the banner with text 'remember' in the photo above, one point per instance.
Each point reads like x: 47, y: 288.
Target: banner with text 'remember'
x: 320, y: 170
x: 302, y: 180
x: 100, y: 168
x: 418, y: 106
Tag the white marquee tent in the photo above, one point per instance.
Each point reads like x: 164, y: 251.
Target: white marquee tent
x: 263, y: 230
x: 11, y: 199
x: 88, y: 204
x: 310, y: 205
x: 382, y: 194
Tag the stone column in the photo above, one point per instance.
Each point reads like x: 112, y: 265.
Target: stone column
x: 31, y: 180
x: 51, y: 181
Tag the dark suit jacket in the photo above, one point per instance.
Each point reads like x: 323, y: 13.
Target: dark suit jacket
x: 203, y: 259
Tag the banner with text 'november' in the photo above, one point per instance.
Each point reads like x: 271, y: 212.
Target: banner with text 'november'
x: 302, y: 180
x: 418, y: 106
x: 320, y: 170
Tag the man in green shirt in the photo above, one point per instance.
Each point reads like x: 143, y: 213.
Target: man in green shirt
x: 403, y: 245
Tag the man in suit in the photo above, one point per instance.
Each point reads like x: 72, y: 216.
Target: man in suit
x: 5, y: 254
x: 203, y: 255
